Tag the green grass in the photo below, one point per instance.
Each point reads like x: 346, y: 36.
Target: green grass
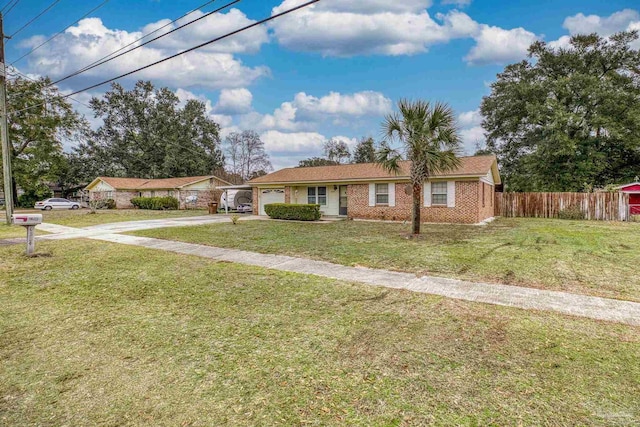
x: 84, y: 217
x: 588, y: 257
x: 100, y: 334
x: 11, y: 231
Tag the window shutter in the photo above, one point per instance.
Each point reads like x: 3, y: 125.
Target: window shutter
x: 427, y: 194
x: 392, y: 194
x: 372, y: 194
x: 451, y: 194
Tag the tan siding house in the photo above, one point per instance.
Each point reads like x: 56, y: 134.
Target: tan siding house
x: 191, y: 191
x: 367, y: 191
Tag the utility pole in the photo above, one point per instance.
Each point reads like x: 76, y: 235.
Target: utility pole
x: 4, y: 131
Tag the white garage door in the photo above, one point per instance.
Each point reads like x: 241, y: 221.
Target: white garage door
x: 270, y: 195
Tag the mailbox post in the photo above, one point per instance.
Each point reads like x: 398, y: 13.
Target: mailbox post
x: 28, y: 221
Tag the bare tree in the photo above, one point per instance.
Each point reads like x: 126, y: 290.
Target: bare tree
x: 337, y: 151
x: 246, y: 155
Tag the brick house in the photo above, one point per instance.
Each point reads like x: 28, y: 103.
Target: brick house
x: 191, y: 191
x: 366, y: 191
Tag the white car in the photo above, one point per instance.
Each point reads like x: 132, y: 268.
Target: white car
x: 47, y: 205
x: 245, y: 208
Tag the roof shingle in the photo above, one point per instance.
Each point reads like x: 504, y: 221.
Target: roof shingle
x: 469, y: 166
x: 153, y: 184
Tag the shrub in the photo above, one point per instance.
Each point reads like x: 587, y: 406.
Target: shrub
x: 290, y: 211
x: 155, y: 203
x: 31, y: 196
x: 235, y: 219
x: 109, y: 204
x: 572, y: 212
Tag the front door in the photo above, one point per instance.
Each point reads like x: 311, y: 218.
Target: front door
x: 343, y: 200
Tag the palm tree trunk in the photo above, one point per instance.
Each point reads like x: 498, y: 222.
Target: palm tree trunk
x: 417, y: 189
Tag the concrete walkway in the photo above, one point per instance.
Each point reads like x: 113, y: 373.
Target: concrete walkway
x: 512, y: 296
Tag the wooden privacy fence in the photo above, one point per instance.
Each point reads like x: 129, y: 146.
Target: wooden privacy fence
x: 596, y: 206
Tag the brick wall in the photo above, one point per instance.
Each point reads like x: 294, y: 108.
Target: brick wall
x: 287, y: 194
x: 467, y: 209
x: 123, y: 199
x: 256, y: 208
x: 204, y: 198
x: 486, y: 210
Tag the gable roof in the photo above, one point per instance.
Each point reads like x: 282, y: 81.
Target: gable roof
x: 151, y: 184
x: 472, y: 166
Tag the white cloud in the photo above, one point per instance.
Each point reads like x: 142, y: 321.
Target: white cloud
x: 234, y: 101
x: 90, y: 40
x: 470, y: 118
x: 342, y: 28
x: 208, y: 28
x: 335, y: 28
x: 618, y: 21
x: 495, y: 45
x: 471, y: 132
x: 624, y: 20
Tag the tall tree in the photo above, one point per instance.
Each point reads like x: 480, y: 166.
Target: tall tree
x: 146, y: 134
x: 568, y: 118
x: 246, y: 155
x: 40, y: 121
x: 364, y: 151
x: 316, y: 161
x: 337, y: 151
x: 430, y: 140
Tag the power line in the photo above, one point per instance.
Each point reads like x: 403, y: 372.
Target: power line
x: 97, y: 64
x: 293, y: 9
x: 286, y: 12
x: 60, y: 32
x: 34, y: 18
x: 16, y: 72
x: 15, y: 2
x: 135, y: 41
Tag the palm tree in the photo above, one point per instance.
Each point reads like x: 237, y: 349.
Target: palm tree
x: 430, y: 140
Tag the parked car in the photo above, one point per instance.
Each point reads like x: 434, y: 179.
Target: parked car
x: 245, y: 208
x: 47, y: 205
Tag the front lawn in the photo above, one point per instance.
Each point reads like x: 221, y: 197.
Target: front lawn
x: 589, y: 257
x: 84, y: 217
x: 101, y: 334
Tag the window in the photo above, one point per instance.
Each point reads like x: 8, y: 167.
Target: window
x: 439, y: 193
x: 382, y: 194
x: 317, y: 195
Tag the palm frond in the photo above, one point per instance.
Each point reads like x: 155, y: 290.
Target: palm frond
x: 389, y: 159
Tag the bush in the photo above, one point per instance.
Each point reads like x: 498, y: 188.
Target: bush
x: 572, y: 212
x: 290, y: 211
x: 109, y: 204
x: 31, y: 196
x: 155, y: 203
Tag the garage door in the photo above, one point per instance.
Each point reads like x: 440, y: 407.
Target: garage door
x: 270, y: 195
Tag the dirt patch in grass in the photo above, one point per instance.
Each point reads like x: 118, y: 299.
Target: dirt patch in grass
x: 593, y: 258
x: 101, y: 334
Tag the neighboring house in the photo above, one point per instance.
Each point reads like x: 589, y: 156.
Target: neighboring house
x: 191, y: 191
x: 633, y: 190
x: 367, y: 191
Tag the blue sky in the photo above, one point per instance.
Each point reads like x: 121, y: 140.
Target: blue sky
x: 331, y: 70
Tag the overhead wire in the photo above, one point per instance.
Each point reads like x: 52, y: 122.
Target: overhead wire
x: 15, y: 2
x: 60, y: 32
x: 214, y: 40
x: 15, y: 72
x: 97, y: 64
x: 34, y: 19
x: 138, y: 39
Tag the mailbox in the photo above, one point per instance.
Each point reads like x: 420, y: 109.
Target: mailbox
x: 27, y: 219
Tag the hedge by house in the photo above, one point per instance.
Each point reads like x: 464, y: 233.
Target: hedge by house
x: 155, y: 203
x: 291, y: 211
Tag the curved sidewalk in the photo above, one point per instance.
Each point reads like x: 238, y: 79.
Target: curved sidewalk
x: 513, y: 296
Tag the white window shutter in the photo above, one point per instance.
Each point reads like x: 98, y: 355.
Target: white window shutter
x: 372, y: 194
x: 451, y: 194
x: 427, y: 194
x: 392, y: 194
